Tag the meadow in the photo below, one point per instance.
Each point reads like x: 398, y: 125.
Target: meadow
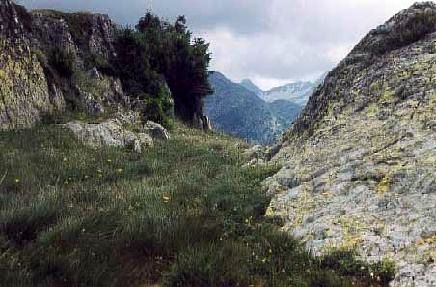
x: 186, y: 212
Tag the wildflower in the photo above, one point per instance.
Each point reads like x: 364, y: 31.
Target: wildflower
x: 263, y: 260
x: 270, y: 251
x: 166, y: 199
x: 86, y: 176
x: 17, y: 180
x: 65, y: 159
x: 109, y: 160
x: 120, y: 170
x: 99, y: 171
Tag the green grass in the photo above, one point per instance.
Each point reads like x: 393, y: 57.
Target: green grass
x: 184, y: 213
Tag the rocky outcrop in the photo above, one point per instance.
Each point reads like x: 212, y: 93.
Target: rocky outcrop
x: 51, y: 61
x: 24, y: 92
x: 343, y: 88
x: 359, y: 163
x: 125, y: 131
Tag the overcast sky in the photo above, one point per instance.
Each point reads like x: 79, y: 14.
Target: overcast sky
x: 271, y: 42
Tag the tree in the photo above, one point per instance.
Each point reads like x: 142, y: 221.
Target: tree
x: 157, y: 52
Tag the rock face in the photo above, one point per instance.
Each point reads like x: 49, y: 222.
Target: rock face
x: 24, y: 93
x: 359, y: 163
x: 124, y: 131
x: 50, y: 61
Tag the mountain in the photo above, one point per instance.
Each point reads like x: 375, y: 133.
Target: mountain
x: 240, y: 112
x: 249, y: 85
x: 298, y: 92
x: 359, y: 163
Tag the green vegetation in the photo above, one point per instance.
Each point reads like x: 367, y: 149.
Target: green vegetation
x: 158, y: 56
x: 184, y: 213
x: 62, y: 61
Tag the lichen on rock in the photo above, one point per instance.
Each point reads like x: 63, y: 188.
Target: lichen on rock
x: 125, y: 130
x: 359, y: 163
x: 45, y: 61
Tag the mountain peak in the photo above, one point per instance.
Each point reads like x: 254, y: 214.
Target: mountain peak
x: 249, y: 85
x: 406, y: 36
x: 406, y: 27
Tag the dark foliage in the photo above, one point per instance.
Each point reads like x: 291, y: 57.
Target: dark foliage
x: 156, y: 54
x: 62, y: 61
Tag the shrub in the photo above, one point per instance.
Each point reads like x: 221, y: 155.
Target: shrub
x: 157, y: 52
x: 62, y: 61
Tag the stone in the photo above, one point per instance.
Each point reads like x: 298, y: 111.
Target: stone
x: 30, y: 84
x: 156, y: 131
x: 358, y: 165
x: 109, y: 133
x: 125, y: 130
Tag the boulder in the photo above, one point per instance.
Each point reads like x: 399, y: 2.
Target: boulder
x: 121, y: 131
x: 156, y: 131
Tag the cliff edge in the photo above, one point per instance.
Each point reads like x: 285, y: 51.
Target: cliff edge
x: 359, y: 163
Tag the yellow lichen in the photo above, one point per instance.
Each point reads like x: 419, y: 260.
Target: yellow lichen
x: 388, y: 96
x: 384, y: 185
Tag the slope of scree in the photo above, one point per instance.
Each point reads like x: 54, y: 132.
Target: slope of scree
x: 359, y: 163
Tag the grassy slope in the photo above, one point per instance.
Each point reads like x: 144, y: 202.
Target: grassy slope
x: 185, y: 213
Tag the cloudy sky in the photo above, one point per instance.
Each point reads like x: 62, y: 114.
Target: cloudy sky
x: 271, y: 42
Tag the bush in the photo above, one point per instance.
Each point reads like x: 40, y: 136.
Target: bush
x: 62, y: 61
x: 158, y: 52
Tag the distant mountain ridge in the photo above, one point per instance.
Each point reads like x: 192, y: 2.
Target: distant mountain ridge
x: 238, y: 110
x: 298, y: 92
x: 249, y: 85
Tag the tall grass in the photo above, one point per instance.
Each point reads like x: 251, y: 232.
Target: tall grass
x: 184, y: 213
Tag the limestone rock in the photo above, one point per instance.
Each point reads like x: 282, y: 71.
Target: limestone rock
x: 123, y: 131
x: 24, y: 91
x: 109, y: 133
x: 31, y: 84
x: 359, y: 164
x: 156, y: 131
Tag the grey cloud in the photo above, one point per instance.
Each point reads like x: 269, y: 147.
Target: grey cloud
x: 269, y: 39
